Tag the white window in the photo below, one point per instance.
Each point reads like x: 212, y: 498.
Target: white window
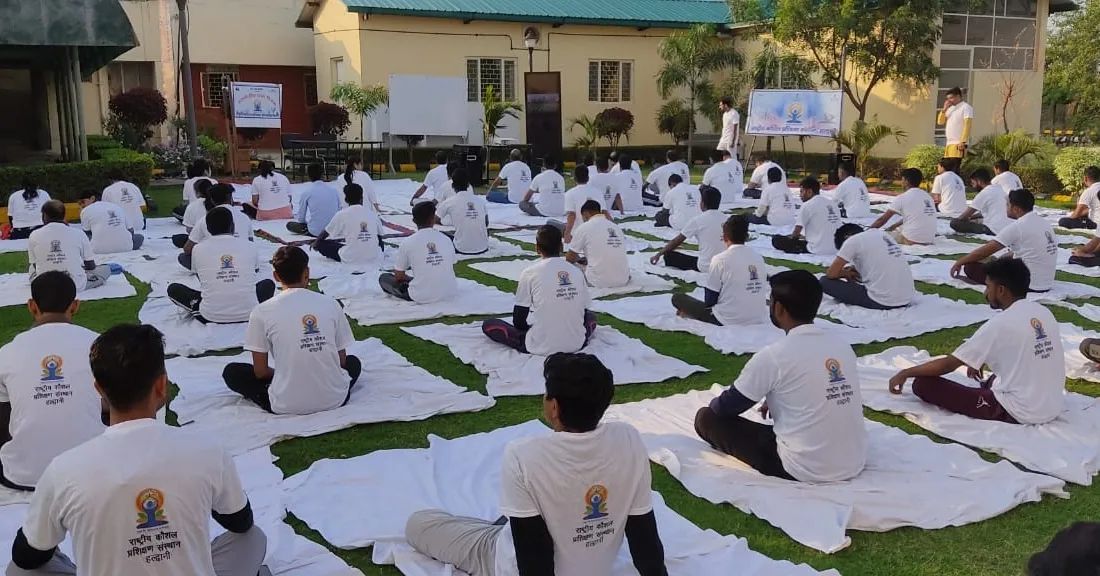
x: 1002, y: 33
x: 339, y: 71
x: 610, y: 80
x: 214, y: 84
x: 500, y: 73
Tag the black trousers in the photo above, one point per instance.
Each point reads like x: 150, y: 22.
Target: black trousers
x: 391, y: 286
x: 12, y: 485
x: 503, y: 332
x: 852, y: 293
x: 750, y: 442
x: 179, y: 211
x: 241, y: 378
x: 329, y: 248
x: 681, y: 261
x: 753, y: 193
x: 693, y: 308
x: 1089, y: 261
x: 754, y: 219
x: 189, y: 299
x: 298, y: 228
x: 179, y: 240
x: 662, y: 218
x: 1077, y: 223
x: 790, y: 245
x: 970, y: 227
x: 651, y: 199
x: 22, y: 233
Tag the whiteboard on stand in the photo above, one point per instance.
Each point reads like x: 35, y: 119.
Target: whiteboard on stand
x: 428, y: 105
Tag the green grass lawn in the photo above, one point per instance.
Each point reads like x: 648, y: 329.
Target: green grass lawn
x: 999, y: 546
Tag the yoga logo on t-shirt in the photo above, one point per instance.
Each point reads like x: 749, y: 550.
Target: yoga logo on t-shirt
x: 754, y: 274
x: 432, y: 249
x: 1036, y: 325
x: 51, y: 368
x: 150, y: 506
x: 55, y: 245
x: 595, y: 502
x: 929, y: 208
x: 227, y: 261
x: 563, y: 279
x: 832, y: 367
x: 309, y: 324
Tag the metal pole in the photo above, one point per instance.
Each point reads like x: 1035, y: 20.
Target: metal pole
x: 81, y: 134
x: 188, y: 86
x: 60, y: 96
x: 70, y: 107
x: 840, y: 84
x: 530, y: 59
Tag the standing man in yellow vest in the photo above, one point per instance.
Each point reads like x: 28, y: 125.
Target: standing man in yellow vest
x: 957, y: 117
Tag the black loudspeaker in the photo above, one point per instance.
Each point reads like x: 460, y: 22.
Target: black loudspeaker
x: 472, y: 158
x: 838, y: 159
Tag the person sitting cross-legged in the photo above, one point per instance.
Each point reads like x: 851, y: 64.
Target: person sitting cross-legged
x: 776, y: 207
x: 870, y: 270
x: 175, y: 478
x: 727, y: 175
x: 550, y: 186
x: 988, y: 211
x: 518, y: 176
x: 308, y: 335
x: 809, y: 383
x: 918, y: 212
x: 603, y: 466
x: 47, y: 401
x: 1087, y: 211
x: 948, y: 188
x: 1005, y: 178
x: 194, y: 212
x: 575, y: 197
x: 468, y: 213
x: 316, y: 206
x: 1021, y: 346
x: 552, y: 293
x: 424, y: 271
x: 657, y: 183
x: 680, y: 204
x: 600, y: 242
x: 227, y: 268
x: 106, y: 225
x: 761, y: 176
x: 58, y: 246
x: 734, y: 289
x: 628, y: 183
x: 705, y: 229
x: 851, y: 195
x: 353, y: 234
x: 816, y: 225
x: 1029, y: 237
x: 219, y: 195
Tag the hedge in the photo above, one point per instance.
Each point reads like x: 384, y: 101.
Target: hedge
x: 65, y: 181
x: 1040, y: 180
x: 1070, y: 165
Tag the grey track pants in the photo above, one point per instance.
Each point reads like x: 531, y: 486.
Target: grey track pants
x: 469, y: 544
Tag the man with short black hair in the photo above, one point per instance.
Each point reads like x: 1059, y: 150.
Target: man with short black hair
x: 550, y: 186
x: 761, y: 176
x: 658, y: 183
x: 106, y: 225
x: 734, y: 290
x: 815, y: 226
x: 604, y: 181
x: 727, y: 175
x: 600, y: 242
x: 468, y: 214
x: 1005, y: 178
x: 175, y: 478
x: 1029, y: 237
x: 553, y: 293
x: 809, y: 384
x: 956, y: 117
x: 870, y: 270
x: 604, y: 466
x: 219, y: 195
x: 776, y: 207
x: 988, y: 211
x: 575, y: 198
x: 434, y: 180
x: 917, y: 210
x: 47, y: 401
x: 354, y: 233
x: 316, y: 205
x: 58, y: 246
x: 518, y: 175
x: 948, y: 188
x: 851, y: 195
x: 1022, y: 347
x: 680, y: 204
x: 628, y: 184
x: 1087, y: 212
x: 308, y: 334
x: 129, y: 197
x: 1074, y: 551
x: 429, y: 255
x: 730, y: 122
x: 706, y: 229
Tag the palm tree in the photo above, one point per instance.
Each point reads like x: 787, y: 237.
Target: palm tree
x: 361, y: 100
x: 590, y: 128
x: 862, y: 138
x: 494, y: 111
x: 691, y: 57
x: 1015, y: 147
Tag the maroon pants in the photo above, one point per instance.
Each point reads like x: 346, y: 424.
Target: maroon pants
x: 977, y: 403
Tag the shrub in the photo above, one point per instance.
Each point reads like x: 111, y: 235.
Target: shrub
x: 1070, y: 164
x: 615, y: 124
x: 924, y: 157
x: 1019, y: 148
x: 173, y: 158
x: 133, y: 115
x: 674, y: 119
x: 66, y: 181
x: 213, y: 150
x: 1040, y: 179
x: 329, y: 119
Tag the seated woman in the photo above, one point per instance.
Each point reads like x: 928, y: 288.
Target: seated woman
x: 270, y: 195
x: 25, y: 210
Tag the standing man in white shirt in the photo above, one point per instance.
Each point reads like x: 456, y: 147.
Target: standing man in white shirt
x: 106, y: 226
x: 308, y: 335
x: 628, y: 184
x: 1006, y: 178
x: 57, y: 246
x: 424, y: 271
x: 760, y: 177
x: 870, y: 270
x: 726, y: 175
x: 354, y: 234
x: 434, y: 179
x: 734, y: 291
x: 948, y: 189
x: 1022, y: 348
x: 918, y: 212
x: 988, y: 211
x: 598, y: 248
x: 227, y: 268
x: 575, y: 198
x: 551, y: 312
x: 1087, y: 212
x: 809, y: 383
x: 518, y: 175
x: 657, y: 182
x: 146, y: 508
x: 680, y: 205
x: 776, y: 207
x: 731, y: 120
x: 47, y: 401
x: 129, y: 197
x: 550, y: 186
x: 545, y: 480
x: 706, y: 229
x: 851, y: 195
x: 815, y: 228
x: 956, y: 117
x: 468, y: 214
x: 1029, y: 237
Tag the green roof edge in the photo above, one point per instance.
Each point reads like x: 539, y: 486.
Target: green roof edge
x: 534, y: 19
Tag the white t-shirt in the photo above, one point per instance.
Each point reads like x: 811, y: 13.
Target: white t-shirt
x: 195, y: 213
x: 682, y: 203
x: 577, y: 196
x: 518, y: 175
x: 956, y: 116
x: 46, y: 377
x: 436, y: 180
x: 428, y: 256
x: 819, y: 219
x: 634, y: 167
x: 918, y: 214
x: 601, y: 242
x: 1008, y: 180
x: 557, y: 295
x: 882, y: 266
x: 359, y: 227
x: 775, y: 201
x: 852, y: 193
x: 550, y: 187
x: 242, y: 226
x: 226, y: 267
x: 145, y: 511
x: 303, y: 333
x: 189, y: 194
x: 273, y: 191
x: 628, y: 185
x: 57, y: 246
x: 370, y: 197
x: 759, y: 175
x: 811, y: 384
x: 706, y: 229
x: 727, y: 177
x: 659, y: 176
x: 740, y: 277
x: 130, y: 198
x: 1031, y: 239
x: 992, y: 202
x: 1023, y: 347
x: 107, y: 223
x: 1091, y: 198
x: 448, y: 191
x: 952, y: 192
x: 605, y: 183
x: 730, y: 120
x: 467, y: 213
x: 584, y: 486
x: 26, y: 213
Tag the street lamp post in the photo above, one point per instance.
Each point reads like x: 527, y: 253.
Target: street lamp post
x: 188, y: 86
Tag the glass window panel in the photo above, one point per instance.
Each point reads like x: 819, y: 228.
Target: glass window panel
x: 941, y: 97
x: 593, y: 81
x: 1022, y: 8
x: 954, y: 78
x: 982, y: 7
x: 956, y: 6
x: 979, y: 31
x: 955, y: 59
x: 1010, y: 59
x: 509, y: 80
x: 472, y: 82
x: 628, y: 77
x: 1014, y: 33
x: 146, y: 76
x: 490, y: 75
x: 954, y: 30
x: 610, y: 89
x: 983, y: 58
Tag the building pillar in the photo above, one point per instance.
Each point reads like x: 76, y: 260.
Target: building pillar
x: 81, y: 134
x: 59, y: 94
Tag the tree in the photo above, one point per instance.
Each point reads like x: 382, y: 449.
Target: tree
x: 614, y: 124
x: 675, y: 119
x: 880, y: 41
x: 862, y: 138
x: 133, y: 115
x: 1016, y: 147
x: 411, y: 140
x: 690, y: 58
x: 329, y: 119
x: 1073, y: 59
x: 590, y: 132
x: 360, y: 100
x: 494, y: 111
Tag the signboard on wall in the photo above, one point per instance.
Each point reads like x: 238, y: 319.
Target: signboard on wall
x: 257, y: 105
x: 794, y: 112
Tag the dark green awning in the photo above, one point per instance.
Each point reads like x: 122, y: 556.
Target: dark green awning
x: 99, y: 28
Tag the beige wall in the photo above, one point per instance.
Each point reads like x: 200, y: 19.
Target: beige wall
x: 336, y: 35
